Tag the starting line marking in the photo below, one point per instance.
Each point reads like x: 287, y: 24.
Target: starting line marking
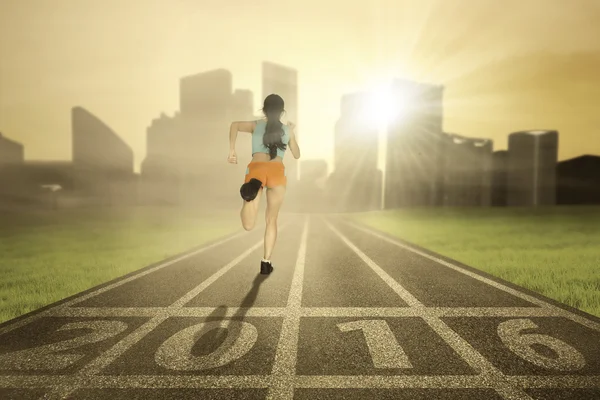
x: 310, y: 312
x: 298, y: 381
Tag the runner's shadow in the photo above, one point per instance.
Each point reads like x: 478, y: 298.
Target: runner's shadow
x: 209, y: 341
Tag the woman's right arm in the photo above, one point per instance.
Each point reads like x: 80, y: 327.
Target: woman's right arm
x: 238, y: 126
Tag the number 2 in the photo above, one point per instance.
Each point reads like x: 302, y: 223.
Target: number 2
x: 48, y: 357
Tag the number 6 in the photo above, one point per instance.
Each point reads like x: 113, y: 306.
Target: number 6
x: 569, y: 359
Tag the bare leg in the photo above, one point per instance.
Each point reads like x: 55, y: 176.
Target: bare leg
x: 249, y: 211
x: 275, y: 197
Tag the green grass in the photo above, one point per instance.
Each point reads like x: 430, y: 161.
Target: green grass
x: 554, y: 251
x: 50, y: 255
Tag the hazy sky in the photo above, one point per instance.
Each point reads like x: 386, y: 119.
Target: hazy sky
x: 507, y: 65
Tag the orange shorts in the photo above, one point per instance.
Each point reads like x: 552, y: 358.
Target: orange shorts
x: 270, y: 173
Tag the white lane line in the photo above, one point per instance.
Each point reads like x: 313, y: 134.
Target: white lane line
x: 510, y: 392
x: 284, y: 366
x: 136, y: 381
x: 310, y: 312
x: 396, y: 287
x: 149, y: 271
x: 560, y: 381
x: 455, y: 341
x: 87, y: 296
x: 541, y: 303
x: 299, y: 381
x: 200, y: 288
x: 95, y: 366
x: 171, y: 312
x: 428, y: 311
x: 391, y: 381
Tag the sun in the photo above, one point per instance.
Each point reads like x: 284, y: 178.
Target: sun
x: 383, y: 105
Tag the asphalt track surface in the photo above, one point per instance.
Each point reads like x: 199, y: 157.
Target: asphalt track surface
x: 348, y: 313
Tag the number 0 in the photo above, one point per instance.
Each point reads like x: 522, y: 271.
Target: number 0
x: 176, y: 352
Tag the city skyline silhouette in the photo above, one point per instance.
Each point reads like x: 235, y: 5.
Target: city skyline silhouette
x: 424, y: 165
x: 499, y: 78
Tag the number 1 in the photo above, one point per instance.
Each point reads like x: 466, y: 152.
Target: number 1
x: 381, y: 342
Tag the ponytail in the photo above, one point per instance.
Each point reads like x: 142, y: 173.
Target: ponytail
x: 273, y: 134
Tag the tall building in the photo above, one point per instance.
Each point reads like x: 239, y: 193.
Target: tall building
x: 161, y: 168
x: 242, y: 107
x: 356, y: 142
x: 499, y: 178
x: 578, y: 180
x: 283, y: 81
x: 414, y: 144
x: 208, y: 106
x: 97, y: 147
x: 532, y: 159
x: 355, y: 183
x: 206, y: 95
x: 207, y: 102
x: 161, y: 147
x: 11, y: 152
x: 467, y: 171
x: 102, y: 161
x: 184, y: 150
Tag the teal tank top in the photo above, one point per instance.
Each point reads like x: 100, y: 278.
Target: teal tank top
x: 257, y: 138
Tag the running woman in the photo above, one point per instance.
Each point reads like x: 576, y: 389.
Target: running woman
x: 270, y: 139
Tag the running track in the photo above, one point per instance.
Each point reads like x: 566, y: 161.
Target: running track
x: 348, y: 313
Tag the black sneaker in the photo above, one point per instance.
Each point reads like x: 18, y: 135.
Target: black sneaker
x: 249, y: 190
x: 265, y: 268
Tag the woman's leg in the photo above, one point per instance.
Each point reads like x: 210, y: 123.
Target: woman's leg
x: 275, y: 197
x: 249, y: 211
